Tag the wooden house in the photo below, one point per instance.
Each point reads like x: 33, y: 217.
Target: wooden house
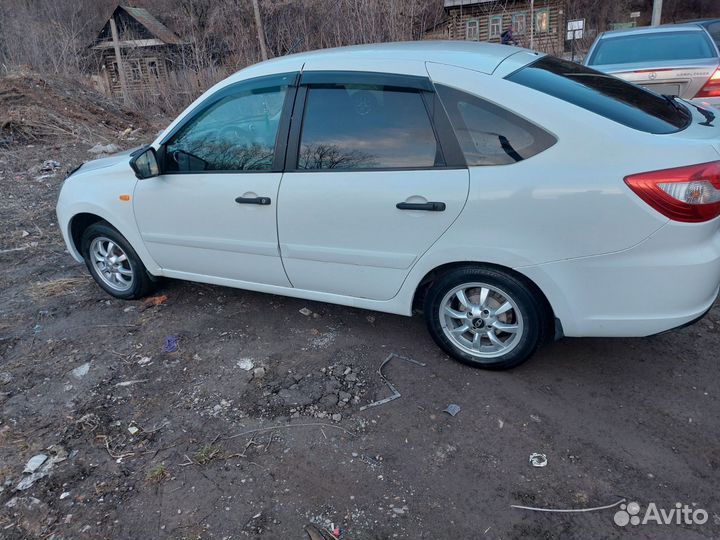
x: 136, y: 52
x: 485, y: 20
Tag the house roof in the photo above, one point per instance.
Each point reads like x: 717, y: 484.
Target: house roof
x: 158, y: 29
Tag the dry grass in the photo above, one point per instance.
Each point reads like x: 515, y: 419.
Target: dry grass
x: 157, y: 474
x: 56, y: 287
x: 207, y: 453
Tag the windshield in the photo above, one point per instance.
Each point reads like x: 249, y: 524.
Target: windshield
x: 603, y: 94
x: 652, y: 47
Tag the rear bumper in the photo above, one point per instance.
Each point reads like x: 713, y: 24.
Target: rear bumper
x: 667, y: 281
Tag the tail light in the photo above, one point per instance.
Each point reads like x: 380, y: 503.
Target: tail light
x: 712, y: 86
x: 689, y: 194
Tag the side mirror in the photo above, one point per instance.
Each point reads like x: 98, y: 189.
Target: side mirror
x: 144, y: 163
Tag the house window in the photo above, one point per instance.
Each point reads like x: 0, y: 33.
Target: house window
x: 152, y: 68
x: 542, y: 20
x: 472, y: 30
x: 519, y: 23
x: 495, y: 25
x: 135, y: 70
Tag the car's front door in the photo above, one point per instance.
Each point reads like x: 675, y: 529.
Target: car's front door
x: 371, y: 182
x: 211, y: 212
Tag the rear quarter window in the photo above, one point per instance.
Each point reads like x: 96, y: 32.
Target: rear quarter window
x: 604, y: 95
x: 488, y: 134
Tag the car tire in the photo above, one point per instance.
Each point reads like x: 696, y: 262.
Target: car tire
x: 484, y: 317
x: 114, y: 264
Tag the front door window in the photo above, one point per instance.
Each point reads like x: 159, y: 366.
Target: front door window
x: 236, y: 133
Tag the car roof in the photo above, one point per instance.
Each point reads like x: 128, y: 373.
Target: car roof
x: 685, y: 27
x: 484, y: 57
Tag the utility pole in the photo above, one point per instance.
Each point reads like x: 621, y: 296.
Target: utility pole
x: 260, y: 31
x: 657, y: 12
x: 532, y: 24
x: 118, y: 61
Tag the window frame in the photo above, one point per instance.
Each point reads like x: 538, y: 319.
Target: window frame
x: 476, y: 22
x: 152, y: 76
x: 536, y: 26
x: 516, y: 17
x: 258, y: 83
x: 440, y: 123
x: 492, y: 18
x: 135, y: 66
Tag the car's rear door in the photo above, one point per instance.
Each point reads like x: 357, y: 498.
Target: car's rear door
x: 374, y: 176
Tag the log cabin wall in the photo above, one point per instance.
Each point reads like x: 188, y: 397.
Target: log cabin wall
x: 485, y: 21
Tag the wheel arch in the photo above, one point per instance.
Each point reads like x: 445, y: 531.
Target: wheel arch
x: 554, y: 325
x: 86, y: 216
x: 77, y: 226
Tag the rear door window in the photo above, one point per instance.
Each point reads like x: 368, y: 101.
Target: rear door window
x: 652, y: 47
x: 604, y: 94
x: 354, y: 126
x: 488, y: 134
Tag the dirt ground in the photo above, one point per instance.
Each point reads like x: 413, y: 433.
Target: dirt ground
x: 253, y: 427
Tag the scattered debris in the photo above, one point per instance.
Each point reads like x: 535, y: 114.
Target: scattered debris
x: 318, y: 533
x: 305, y: 311
x: 64, y: 495
x: 259, y: 372
x: 145, y: 361
x: 171, y: 344
x: 130, y: 383
x: 569, y: 510
x: 155, y: 301
x: 133, y: 429
x: 50, y: 165
x: 80, y: 371
x: 245, y: 364
x: 104, y: 149
x: 38, y: 467
x: 395, y: 393
x: 538, y: 460
x: 452, y: 409
x: 34, y: 463
x: 535, y: 418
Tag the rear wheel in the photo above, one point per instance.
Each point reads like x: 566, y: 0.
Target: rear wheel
x: 484, y: 317
x: 113, y: 263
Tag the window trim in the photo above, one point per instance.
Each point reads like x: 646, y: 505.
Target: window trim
x: 490, y: 26
x: 135, y: 66
x: 515, y: 17
x: 476, y: 21
x: 537, y: 13
x: 281, y: 138
x: 440, y: 123
x: 152, y: 76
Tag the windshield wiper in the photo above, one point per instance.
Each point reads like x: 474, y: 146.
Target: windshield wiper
x: 709, y: 115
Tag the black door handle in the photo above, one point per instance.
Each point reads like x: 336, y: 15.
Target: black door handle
x: 428, y: 206
x: 253, y: 200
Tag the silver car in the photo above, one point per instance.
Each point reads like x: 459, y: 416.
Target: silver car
x: 677, y: 60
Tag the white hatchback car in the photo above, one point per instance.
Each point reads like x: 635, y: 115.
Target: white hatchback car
x: 511, y: 196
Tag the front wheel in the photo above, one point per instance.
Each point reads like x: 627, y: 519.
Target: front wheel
x: 484, y: 317
x: 113, y: 262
